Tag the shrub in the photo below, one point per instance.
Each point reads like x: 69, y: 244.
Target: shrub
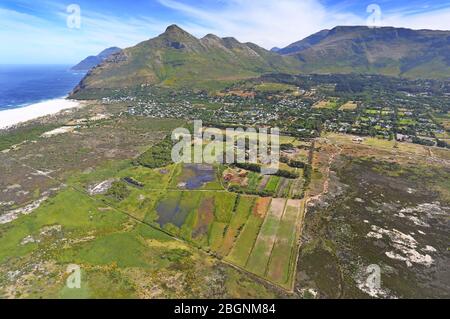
x: 286, y: 174
x: 249, y: 167
x: 118, y: 191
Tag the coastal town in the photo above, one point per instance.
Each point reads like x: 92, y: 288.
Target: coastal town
x: 306, y: 111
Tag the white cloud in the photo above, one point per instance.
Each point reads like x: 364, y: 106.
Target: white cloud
x: 434, y: 20
x: 265, y: 22
x: 280, y: 22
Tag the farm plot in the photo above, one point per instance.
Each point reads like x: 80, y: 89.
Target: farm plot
x: 325, y: 104
x: 297, y: 187
x: 272, y: 184
x: 205, y: 218
x: 216, y: 234
x: 167, y: 208
x: 283, y: 188
x: 253, y: 181
x: 284, y: 250
x: 263, y: 182
x: 244, y: 243
x: 262, y: 250
x: 223, y: 213
x: 243, y: 210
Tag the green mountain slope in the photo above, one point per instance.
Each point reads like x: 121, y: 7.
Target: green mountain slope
x: 387, y: 51
x: 176, y: 58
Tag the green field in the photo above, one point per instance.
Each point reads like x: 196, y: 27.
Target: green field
x: 224, y: 204
x: 247, y: 238
x: 231, y: 226
x: 253, y: 181
x: 283, y: 189
x: 240, y: 217
x: 216, y: 234
x: 272, y: 184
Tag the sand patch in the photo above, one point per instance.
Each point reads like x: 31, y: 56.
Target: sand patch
x: 59, y: 131
x: 101, y: 188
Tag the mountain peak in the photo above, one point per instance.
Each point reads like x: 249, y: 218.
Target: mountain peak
x: 175, y: 33
x: 173, y: 28
x: 211, y: 36
x: 212, y: 40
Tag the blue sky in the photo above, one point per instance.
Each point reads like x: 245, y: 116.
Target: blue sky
x: 37, y: 32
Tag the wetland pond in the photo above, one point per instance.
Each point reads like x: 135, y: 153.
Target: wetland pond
x: 176, y: 206
x: 195, y: 176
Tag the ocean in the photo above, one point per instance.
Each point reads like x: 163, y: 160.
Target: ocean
x: 23, y: 85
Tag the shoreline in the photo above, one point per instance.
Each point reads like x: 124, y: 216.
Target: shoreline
x: 12, y: 117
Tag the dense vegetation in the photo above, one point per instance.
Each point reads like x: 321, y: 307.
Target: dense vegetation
x: 118, y: 191
x: 159, y: 155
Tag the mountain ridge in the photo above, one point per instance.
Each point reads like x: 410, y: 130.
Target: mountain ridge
x: 176, y: 58
x: 385, y: 50
x: 94, y: 60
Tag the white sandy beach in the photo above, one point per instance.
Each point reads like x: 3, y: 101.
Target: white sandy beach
x: 12, y: 117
